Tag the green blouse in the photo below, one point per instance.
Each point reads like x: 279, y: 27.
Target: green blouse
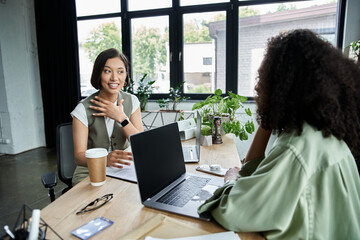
x: 308, y: 187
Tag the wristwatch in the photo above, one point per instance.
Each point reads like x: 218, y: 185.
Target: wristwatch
x: 124, y: 122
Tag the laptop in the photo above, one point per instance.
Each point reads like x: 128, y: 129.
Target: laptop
x: 162, y: 179
x: 192, y: 152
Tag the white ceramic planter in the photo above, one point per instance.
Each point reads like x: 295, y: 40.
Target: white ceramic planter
x: 206, y: 140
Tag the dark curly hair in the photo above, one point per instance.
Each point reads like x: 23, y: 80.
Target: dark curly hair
x: 303, y: 78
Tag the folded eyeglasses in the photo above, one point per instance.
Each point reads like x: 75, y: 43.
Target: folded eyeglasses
x: 97, y: 203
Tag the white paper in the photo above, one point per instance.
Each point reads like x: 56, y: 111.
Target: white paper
x: 215, y: 236
x: 125, y: 173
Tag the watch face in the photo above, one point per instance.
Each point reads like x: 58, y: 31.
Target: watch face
x: 124, y: 122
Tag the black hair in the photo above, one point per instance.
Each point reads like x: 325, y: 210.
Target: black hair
x: 303, y: 78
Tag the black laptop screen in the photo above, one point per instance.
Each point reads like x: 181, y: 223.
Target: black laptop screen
x: 158, y: 158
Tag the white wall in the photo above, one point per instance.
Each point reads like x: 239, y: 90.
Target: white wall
x: 21, y: 108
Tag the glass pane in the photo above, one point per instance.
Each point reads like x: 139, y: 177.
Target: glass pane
x: 257, y: 23
x: 94, y: 7
x: 135, y: 5
x: 150, y: 51
x: 95, y: 36
x: 204, y: 52
x: 199, y: 2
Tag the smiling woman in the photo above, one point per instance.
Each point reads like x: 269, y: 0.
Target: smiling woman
x: 109, y: 108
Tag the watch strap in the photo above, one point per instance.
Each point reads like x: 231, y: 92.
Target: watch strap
x: 124, y: 122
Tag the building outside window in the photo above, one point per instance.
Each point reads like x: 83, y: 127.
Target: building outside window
x: 190, y: 41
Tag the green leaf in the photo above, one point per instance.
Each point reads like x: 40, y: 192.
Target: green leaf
x: 218, y: 92
x: 243, y: 99
x: 248, y: 111
x: 206, y: 130
x: 227, y: 127
x: 232, y: 95
x: 249, y: 127
x: 236, y: 126
x: 197, y: 105
x: 243, y: 135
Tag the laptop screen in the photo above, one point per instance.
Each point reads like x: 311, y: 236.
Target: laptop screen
x: 158, y: 158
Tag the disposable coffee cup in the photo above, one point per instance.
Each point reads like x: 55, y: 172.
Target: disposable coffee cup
x: 96, y: 162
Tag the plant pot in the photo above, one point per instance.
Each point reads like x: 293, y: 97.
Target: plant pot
x: 206, y: 140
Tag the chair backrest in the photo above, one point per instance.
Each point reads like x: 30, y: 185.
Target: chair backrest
x: 65, y: 153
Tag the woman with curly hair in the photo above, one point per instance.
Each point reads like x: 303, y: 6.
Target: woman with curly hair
x: 308, y: 186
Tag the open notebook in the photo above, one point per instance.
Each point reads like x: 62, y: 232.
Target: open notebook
x: 126, y: 173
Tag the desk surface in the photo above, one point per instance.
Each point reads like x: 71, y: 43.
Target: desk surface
x: 125, y: 209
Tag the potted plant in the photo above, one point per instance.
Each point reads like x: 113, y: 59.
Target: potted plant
x: 225, y: 107
x: 355, y: 50
x: 170, y: 104
x: 143, y: 91
x: 206, y: 136
x: 175, y: 97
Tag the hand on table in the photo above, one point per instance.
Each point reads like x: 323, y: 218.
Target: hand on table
x: 117, y: 157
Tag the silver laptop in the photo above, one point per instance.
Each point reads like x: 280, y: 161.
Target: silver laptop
x: 192, y: 152
x: 161, y: 174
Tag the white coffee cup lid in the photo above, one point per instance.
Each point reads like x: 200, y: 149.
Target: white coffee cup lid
x: 96, y: 153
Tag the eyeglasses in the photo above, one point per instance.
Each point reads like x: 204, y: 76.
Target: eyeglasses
x: 97, y: 203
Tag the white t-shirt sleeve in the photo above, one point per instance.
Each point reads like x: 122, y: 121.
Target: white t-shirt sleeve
x: 80, y: 113
x: 135, y: 103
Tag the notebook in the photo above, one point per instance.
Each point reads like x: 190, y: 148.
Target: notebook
x: 162, y: 179
x: 192, y: 152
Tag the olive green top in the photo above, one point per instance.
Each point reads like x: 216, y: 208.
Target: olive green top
x: 98, y: 136
x: 307, y: 187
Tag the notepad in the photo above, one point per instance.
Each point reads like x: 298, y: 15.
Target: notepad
x: 126, y: 173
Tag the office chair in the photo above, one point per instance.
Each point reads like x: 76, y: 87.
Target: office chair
x: 65, y: 160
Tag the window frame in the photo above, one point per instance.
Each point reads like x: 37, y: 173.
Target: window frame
x: 175, y: 14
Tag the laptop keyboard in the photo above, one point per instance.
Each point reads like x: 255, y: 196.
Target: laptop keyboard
x: 184, y: 191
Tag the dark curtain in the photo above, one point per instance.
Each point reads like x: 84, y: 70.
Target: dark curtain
x: 56, y: 32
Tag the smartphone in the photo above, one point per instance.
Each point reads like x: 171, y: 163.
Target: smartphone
x: 206, y: 168
x: 91, y: 228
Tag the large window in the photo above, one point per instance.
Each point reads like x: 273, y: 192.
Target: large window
x: 135, y: 5
x: 257, y: 23
x: 216, y: 44
x: 150, y: 51
x: 203, y: 70
x: 95, y: 36
x: 94, y: 7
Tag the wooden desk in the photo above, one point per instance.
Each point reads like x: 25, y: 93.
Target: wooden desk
x: 125, y: 209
